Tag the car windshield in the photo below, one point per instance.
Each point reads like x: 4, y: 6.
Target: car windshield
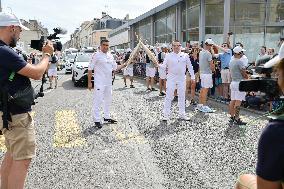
x: 71, y: 56
x: 83, y: 58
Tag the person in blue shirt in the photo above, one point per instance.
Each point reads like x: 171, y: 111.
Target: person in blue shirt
x: 225, y: 58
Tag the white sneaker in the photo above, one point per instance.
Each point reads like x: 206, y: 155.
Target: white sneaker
x: 199, y: 107
x: 206, y: 109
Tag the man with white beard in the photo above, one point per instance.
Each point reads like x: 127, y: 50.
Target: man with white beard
x: 176, y: 63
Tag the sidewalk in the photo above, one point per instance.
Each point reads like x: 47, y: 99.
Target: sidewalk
x: 211, y: 99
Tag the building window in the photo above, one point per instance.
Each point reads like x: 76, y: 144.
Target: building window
x: 102, y: 38
x: 275, y: 12
x: 214, y: 13
x: 247, y: 13
x: 165, y: 26
x: 190, y: 21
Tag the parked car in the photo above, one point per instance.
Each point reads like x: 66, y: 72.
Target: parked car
x: 69, y: 61
x: 80, y: 69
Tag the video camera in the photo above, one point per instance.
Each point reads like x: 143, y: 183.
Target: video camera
x: 57, y: 45
x: 262, y: 82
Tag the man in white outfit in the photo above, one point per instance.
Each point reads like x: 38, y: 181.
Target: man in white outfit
x: 176, y: 63
x: 103, y: 64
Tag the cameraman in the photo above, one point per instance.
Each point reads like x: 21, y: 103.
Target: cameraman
x: 20, y: 134
x: 270, y: 164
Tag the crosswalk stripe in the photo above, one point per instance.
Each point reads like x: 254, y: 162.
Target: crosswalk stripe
x: 130, y: 137
x: 67, y: 131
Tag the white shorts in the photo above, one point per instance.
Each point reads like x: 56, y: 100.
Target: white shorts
x: 128, y: 71
x: 162, y: 73
x: 150, y: 72
x: 236, y: 94
x: 52, y: 72
x: 206, y: 81
x: 226, y: 76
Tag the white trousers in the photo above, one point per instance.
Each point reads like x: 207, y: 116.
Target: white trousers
x: 171, y: 86
x: 102, y: 96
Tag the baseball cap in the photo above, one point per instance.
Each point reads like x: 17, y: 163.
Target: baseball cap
x: 128, y: 50
x: 164, y: 46
x: 276, y: 59
x: 209, y: 41
x: 238, y: 49
x: 7, y: 19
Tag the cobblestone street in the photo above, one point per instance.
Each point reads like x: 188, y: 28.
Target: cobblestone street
x: 140, y: 151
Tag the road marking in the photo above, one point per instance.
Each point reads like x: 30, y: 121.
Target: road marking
x: 67, y: 131
x: 130, y: 137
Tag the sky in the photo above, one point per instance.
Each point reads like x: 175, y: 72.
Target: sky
x: 69, y: 14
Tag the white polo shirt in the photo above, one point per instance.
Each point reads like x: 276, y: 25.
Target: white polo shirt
x: 176, y: 65
x: 103, y: 64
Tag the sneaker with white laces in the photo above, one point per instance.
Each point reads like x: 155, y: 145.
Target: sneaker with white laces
x: 206, y: 109
x: 199, y: 107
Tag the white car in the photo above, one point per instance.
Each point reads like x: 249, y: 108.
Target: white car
x: 70, y: 58
x: 80, y: 69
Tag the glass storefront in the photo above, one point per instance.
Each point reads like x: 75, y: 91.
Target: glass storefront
x: 251, y: 20
x: 190, y: 21
x: 143, y: 31
x: 254, y: 23
x: 165, y: 26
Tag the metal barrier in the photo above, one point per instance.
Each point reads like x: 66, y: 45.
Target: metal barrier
x: 139, y: 69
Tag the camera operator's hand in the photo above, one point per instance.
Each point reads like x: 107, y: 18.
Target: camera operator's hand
x: 48, y: 48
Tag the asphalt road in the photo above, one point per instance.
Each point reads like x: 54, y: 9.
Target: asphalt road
x: 140, y: 151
